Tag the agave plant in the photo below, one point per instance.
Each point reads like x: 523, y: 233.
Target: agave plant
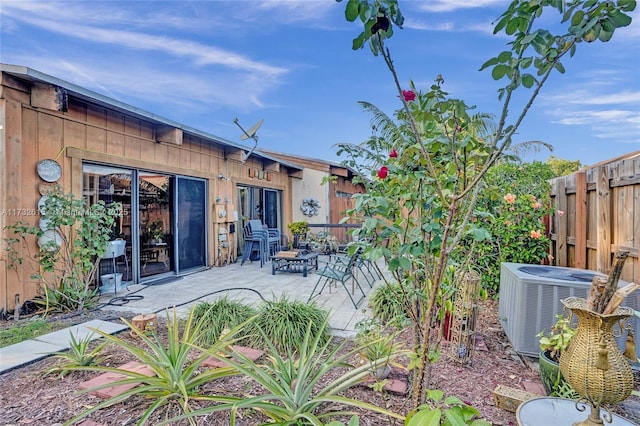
x: 78, y: 355
x: 297, y: 391
x: 177, y: 373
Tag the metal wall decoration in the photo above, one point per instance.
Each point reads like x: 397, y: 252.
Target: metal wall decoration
x: 310, y: 206
x: 49, y: 170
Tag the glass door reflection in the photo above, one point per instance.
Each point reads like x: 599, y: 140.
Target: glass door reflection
x: 155, y: 224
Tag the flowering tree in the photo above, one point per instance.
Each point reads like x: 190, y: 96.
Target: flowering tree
x: 427, y: 162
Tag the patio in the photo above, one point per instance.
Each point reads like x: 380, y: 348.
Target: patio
x: 248, y: 283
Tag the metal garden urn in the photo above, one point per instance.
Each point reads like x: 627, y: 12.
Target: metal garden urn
x: 593, y: 364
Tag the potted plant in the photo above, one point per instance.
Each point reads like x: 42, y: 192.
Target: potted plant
x: 156, y: 232
x: 551, y: 346
x: 298, y: 229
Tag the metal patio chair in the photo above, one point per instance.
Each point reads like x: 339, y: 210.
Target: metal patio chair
x: 340, y: 270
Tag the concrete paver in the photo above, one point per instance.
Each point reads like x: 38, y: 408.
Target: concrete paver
x: 248, y: 283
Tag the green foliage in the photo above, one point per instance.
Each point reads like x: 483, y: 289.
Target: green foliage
x: 78, y: 355
x: 177, y: 367
x: 24, y: 331
x: 558, y: 338
x: 285, y: 322
x: 441, y: 410
x: 387, y: 304
x: 378, y: 17
x: 561, y: 167
x: 224, y: 313
x: 588, y: 20
x: 419, y: 203
x: 66, y: 268
x: 511, y: 207
x: 300, y: 388
x: 298, y: 228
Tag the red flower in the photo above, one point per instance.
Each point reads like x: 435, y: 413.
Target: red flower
x: 383, y: 172
x: 409, y: 95
x: 393, y: 154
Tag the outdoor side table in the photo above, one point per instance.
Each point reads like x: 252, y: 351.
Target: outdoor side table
x: 300, y: 263
x: 547, y: 411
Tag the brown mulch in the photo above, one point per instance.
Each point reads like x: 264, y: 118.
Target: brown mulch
x: 29, y: 397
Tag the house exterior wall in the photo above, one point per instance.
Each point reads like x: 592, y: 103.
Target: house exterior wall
x: 88, y: 131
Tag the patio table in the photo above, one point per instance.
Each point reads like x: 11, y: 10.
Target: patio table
x: 286, y: 262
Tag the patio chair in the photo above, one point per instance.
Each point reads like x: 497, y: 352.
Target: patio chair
x: 340, y: 270
x: 255, y: 245
x: 271, y: 235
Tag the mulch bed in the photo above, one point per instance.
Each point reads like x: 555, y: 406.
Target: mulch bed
x: 29, y: 397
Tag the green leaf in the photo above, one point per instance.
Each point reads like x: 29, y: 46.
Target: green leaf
x: 504, y: 56
x: 619, y: 19
x: 577, y: 18
x: 512, y: 26
x: 528, y: 81
x: 500, y: 25
x: 627, y: 5
x: 559, y: 67
x: 426, y: 418
x: 351, y: 11
x: 358, y: 42
x: 499, y: 71
x: 492, y: 61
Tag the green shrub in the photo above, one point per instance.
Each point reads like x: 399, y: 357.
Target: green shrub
x: 511, y: 208
x: 387, y: 304
x: 217, y: 315
x: 285, y: 322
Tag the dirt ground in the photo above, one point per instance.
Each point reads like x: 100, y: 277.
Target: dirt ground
x: 29, y: 397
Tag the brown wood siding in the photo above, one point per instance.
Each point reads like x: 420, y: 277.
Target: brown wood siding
x: 602, y: 215
x: 89, y: 132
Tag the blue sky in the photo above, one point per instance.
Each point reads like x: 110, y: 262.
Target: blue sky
x: 289, y: 62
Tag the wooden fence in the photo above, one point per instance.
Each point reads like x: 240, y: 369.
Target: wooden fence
x: 600, y: 208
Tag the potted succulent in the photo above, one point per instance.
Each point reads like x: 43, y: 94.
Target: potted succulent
x: 551, y: 346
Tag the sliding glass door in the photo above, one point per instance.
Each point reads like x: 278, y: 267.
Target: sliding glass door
x: 155, y: 224
x: 191, y: 223
x: 164, y: 220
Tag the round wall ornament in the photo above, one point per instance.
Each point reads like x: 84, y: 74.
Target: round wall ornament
x: 49, y: 170
x: 310, y: 206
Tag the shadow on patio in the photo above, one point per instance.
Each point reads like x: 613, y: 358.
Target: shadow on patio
x: 248, y: 283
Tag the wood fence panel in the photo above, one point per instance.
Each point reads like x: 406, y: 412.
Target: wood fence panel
x: 602, y: 208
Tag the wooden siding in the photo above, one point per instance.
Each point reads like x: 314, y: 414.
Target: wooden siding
x: 601, y: 206
x: 90, y: 132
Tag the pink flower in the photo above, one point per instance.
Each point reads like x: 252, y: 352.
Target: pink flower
x: 510, y: 198
x: 409, y: 95
x: 550, y: 257
x: 560, y: 213
x: 393, y: 154
x: 536, y: 205
x: 536, y: 234
x: 507, y: 222
x: 383, y: 172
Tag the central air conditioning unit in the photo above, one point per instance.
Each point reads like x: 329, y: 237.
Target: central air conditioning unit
x: 530, y: 298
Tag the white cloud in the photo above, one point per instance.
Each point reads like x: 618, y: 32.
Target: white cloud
x: 589, y: 97
x: 200, y: 53
x: 452, y: 5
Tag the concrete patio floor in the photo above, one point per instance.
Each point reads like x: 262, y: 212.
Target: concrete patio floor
x: 248, y: 283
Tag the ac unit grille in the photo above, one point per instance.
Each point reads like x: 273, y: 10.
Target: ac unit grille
x: 529, y: 303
